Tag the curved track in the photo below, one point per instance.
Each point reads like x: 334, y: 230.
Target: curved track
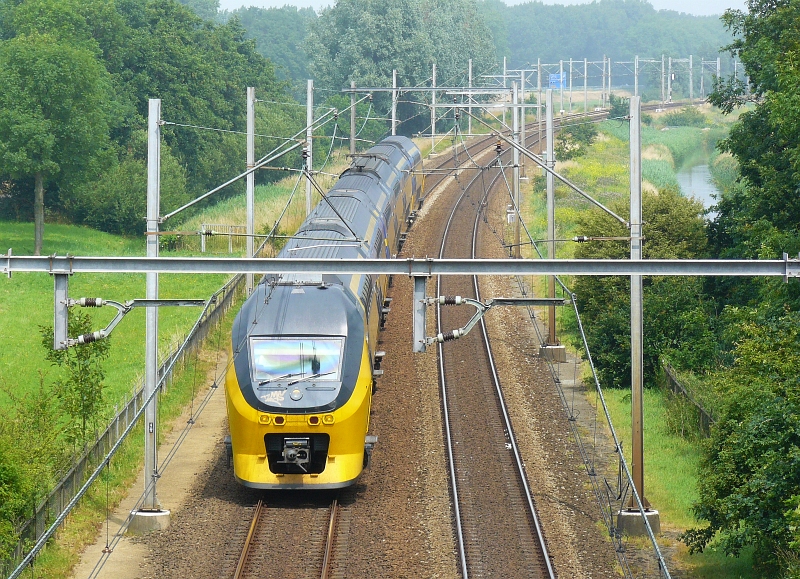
x: 498, y: 531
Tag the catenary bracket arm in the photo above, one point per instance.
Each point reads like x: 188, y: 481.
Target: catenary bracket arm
x: 481, y: 309
x: 122, y: 310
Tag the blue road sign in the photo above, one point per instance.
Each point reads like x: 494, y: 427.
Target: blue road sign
x: 558, y: 80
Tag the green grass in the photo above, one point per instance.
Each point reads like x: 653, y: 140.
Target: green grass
x: 671, y: 462
x: 670, y: 481
x: 26, y: 303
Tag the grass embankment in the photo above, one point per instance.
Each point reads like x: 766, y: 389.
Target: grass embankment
x: 672, y: 461
x: 26, y: 304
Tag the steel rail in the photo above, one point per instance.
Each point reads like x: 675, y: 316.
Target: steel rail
x: 248, y: 540
x: 518, y: 462
x: 462, y: 551
x: 327, y: 557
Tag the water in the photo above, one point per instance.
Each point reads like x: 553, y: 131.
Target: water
x: 695, y: 181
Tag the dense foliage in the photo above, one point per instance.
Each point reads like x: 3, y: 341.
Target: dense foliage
x: 76, y: 77
x: 365, y: 40
x: 51, y: 424
x: 573, y: 140
x: 750, y: 485
x: 617, y: 28
x: 289, y: 24
x: 675, y: 315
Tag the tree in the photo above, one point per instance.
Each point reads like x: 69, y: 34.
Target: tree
x: 750, y: 474
x: 53, y: 119
x: 573, y: 140
x: 291, y: 25
x: 676, y: 316
x: 205, y: 9
x: 80, y: 388
x: 761, y: 219
x: 365, y: 40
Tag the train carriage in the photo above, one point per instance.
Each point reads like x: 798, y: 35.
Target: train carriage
x: 300, y: 389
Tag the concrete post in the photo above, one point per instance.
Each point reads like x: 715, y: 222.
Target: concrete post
x: 515, y: 156
x: 309, y: 140
x: 151, y: 502
x: 551, y: 217
x: 352, y: 117
x: 505, y: 85
x: 637, y: 372
x: 603, y: 92
x: 394, y: 102
x: 469, y: 107
x: 561, y: 85
x: 636, y: 75
x: 570, y: 86
x: 630, y: 521
x: 585, y: 86
x: 669, y: 80
x: 663, y: 96
x: 691, y: 81
x: 523, y: 119
x: 433, y: 109
x: 609, y: 81
x: 539, y: 98
x: 251, y: 180
x: 702, y: 79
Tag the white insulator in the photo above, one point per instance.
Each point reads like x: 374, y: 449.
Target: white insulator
x: 93, y: 337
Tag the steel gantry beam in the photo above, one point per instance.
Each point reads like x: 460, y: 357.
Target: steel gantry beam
x: 413, y: 267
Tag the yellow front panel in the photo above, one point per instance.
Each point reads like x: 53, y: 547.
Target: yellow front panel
x: 345, y: 453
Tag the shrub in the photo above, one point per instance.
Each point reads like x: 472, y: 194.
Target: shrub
x: 686, y: 117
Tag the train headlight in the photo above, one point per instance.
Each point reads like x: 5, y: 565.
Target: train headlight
x: 313, y: 420
x: 328, y: 419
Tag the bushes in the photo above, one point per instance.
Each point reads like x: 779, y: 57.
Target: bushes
x: 117, y: 201
x: 751, y: 471
x: 675, y: 312
x: 686, y: 117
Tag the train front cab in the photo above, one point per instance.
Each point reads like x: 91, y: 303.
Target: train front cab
x: 315, y: 450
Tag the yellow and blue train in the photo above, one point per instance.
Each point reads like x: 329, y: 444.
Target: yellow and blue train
x: 300, y: 387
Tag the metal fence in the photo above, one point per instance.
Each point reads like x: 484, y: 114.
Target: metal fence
x: 704, y: 418
x: 212, y: 237
x: 56, y: 501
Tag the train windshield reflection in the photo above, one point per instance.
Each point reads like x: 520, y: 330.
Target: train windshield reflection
x: 295, y: 358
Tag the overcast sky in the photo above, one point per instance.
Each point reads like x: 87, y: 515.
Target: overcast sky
x: 698, y: 7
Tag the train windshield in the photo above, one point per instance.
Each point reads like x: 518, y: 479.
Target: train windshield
x: 296, y: 358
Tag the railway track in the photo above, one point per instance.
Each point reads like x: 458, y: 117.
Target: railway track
x: 301, y: 540
x: 497, y: 528
x: 303, y: 545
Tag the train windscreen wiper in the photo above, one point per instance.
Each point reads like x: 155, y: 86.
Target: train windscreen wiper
x: 293, y: 382
x: 268, y: 380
